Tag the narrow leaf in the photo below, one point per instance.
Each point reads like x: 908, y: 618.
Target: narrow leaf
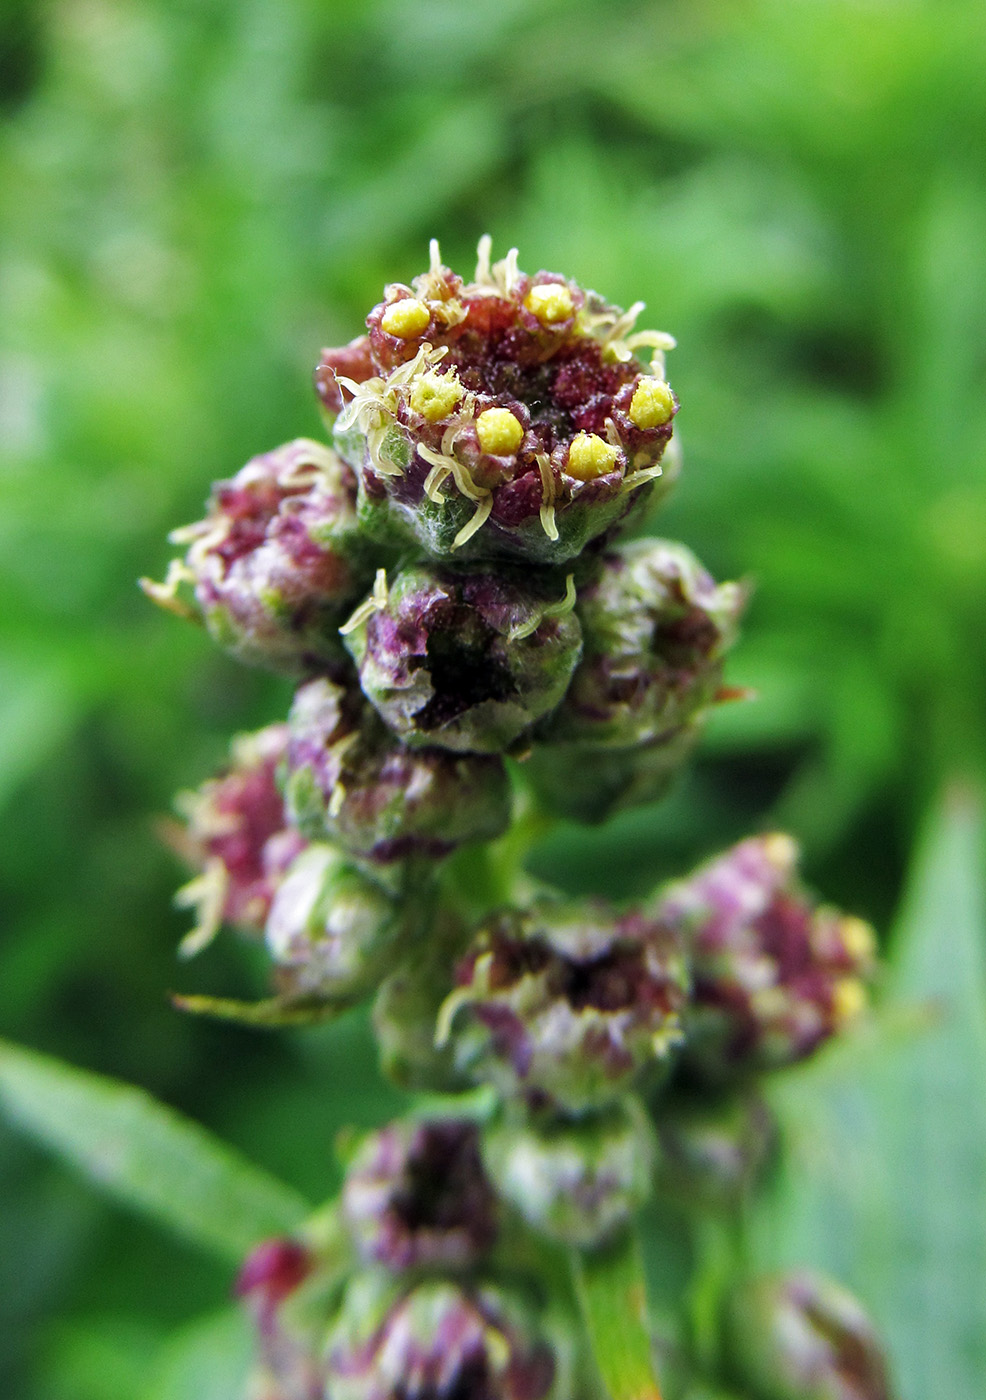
x: 146, y: 1155
x: 270, y: 1014
x: 611, y: 1291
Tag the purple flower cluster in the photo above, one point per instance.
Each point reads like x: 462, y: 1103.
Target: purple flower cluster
x: 447, y: 586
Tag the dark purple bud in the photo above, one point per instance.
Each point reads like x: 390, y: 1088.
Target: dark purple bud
x: 277, y: 563
x: 332, y: 928
x: 774, y: 975
x: 799, y: 1336
x: 579, y: 1181
x: 655, y: 630
x: 505, y: 416
x: 465, y: 662
x: 416, y: 1196
x: 438, y: 1340
x: 350, y: 781
x: 712, y: 1152
x: 656, y: 627
x: 567, y: 1002
x: 237, y: 833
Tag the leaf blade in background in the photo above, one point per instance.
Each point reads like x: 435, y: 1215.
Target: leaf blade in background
x: 885, y: 1173
x: 611, y: 1290
x: 208, y: 1358
x: 146, y: 1155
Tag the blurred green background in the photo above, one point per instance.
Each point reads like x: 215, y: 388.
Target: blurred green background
x: 194, y: 199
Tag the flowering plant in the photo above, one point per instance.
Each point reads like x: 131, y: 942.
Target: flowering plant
x: 478, y: 650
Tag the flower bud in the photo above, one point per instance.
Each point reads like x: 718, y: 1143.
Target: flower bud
x: 712, y: 1152
x: 405, y: 1014
x: 237, y: 833
x: 350, y: 781
x: 439, y: 1339
x: 566, y: 1002
x: 416, y: 1196
x: 464, y: 662
x: 799, y: 1336
x: 579, y: 1181
x: 331, y: 927
x: 288, y: 1364
x: 507, y: 416
x: 277, y: 563
x: 589, y: 782
x: 655, y: 628
x: 774, y: 976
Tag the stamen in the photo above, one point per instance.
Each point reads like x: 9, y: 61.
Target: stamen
x: 476, y: 523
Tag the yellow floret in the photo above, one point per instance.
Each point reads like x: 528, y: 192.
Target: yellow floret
x: 590, y: 456
x: 550, y: 302
x: 406, y: 318
x: 652, y: 403
x: 858, y: 939
x: 434, y: 396
x: 849, y: 1000
x: 499, y: 432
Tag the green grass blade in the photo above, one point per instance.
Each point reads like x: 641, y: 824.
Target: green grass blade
x: 146, y: 1155
x: 610, y: 1287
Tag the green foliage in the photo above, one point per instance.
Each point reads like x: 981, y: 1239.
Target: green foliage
x: 885, y: 1157
x: 147, y: 1156
x: 195, y: 198
x: 611, y: 1291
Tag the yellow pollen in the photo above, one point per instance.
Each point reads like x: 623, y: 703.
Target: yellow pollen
x: 652, y: 403
x: 858, y: 939
x: 550, y: 303
x: 849, y: 1000
x: 434, y: 396
x: 499, y: 432
x: 406, y: 318
x: 590, y: 456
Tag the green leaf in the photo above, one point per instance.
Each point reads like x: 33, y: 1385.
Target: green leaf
x: 209, y: 1359
x: 611, y: 1291
x: 884, y: 1176
x: 269, y: 1014
x: 146, y: 1155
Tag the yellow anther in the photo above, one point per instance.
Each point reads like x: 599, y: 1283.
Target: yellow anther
x: 849, y: 1000
x: 434, y: 396
x: 652, y: 403
x: 858, y: 939
x: 590, y: 456
x: 781, y: 850
x: 550, y: 302
x: 405, y: 318
x: 499, y: 432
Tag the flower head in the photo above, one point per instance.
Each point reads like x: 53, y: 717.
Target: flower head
x: 439, y: 1339
x: 466, y: 662
x: 237, y: 833
x: 799, y: 1336
x: 277, y: 562
x: 349, y: 780
x: 416, y: 1196
x: 509, y: 415
x: 578, y: 1181
x: 331, y: 927
x: 567, y: 1002
x: 774, y: 975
